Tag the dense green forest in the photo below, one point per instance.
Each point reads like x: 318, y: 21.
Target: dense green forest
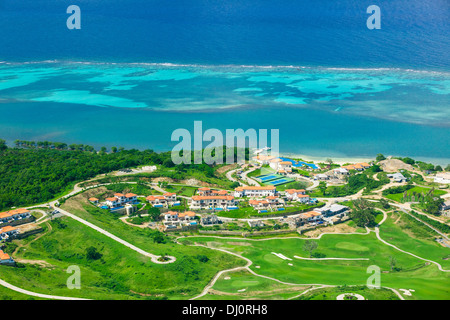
x: 34, y: 172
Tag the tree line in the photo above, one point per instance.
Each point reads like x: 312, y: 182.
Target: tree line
x: 35, y: 172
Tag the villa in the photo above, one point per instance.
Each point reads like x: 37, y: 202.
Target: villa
x: 188, y: 215
x: 312, y: 216
x: 263, y: 159
x: 321, y: 176
x: 200, y: 202
x: 270, y: 202
x: 170, y: 196
x: 162, y: 201
x: 131, y: 197
x: 281, y: 166
x: 398, y: 177
x: 357, y: 166
x: 174, y: 221
x: 293, y: 194
x: 6, y: 259
x: 112, y: 202
x: 93, y: 200
x: 255, y: 191
x: 171, y: 216
x: 209, y: 192
x: 332, y: 210
x: 119, y: 200
x: 341, y: 171
x: 8, y: 232
x: 259, y: 204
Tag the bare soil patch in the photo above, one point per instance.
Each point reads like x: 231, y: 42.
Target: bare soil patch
x: 195, y: 182
x: 41, y: 263
x: 227, y: 168
x: 394, y: 165
x: 338, y: 228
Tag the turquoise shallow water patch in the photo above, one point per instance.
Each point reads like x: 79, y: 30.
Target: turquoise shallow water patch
x: 88, y: 98
x: 398, y: 95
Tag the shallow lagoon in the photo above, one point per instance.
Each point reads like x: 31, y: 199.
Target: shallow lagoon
x: 319, y: 111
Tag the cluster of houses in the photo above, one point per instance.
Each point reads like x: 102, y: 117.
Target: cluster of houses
x: 357, y: 166
x: 262, y: 159
x: 262, y: 198
x: 327, y: 214
x: 166, y: 200
x: 15, y: 217
x: 8, y: 220
x: 342, y: 171
x: 207, y: 198
x: 209, y: 202
x: 8, y: 232
x: 174, y: 221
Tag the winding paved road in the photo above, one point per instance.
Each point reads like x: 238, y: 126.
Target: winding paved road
x: 34, y: 294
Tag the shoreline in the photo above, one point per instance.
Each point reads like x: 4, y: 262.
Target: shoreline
x: 322, y: 159
x: 355, y: 159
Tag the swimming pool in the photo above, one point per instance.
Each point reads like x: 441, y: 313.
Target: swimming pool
x: 297, y: 164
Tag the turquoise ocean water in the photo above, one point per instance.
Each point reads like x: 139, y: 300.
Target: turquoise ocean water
x: 319, y: 111
x: 137, y: 70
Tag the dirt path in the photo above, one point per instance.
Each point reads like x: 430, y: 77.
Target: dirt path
x: 38, y: 237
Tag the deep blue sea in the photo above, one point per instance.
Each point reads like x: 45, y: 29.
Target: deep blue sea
x: 137, y: 70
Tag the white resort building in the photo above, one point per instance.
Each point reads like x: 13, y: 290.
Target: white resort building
x: 202, y: 202
x: 162, y: 201
x: 282, y: 167
x: 255, y: 191
x: 119, y: 200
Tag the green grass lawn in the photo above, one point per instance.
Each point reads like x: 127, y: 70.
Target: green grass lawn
x: 121, y: 273
x: 426, y: 280
x: 247, y: 212
x: 260, y: 172
x: 8, y: 294
x: 229, y: 285
x: 302, y: 172
x: 181, y: 190
x: 410, y: 235
x: 332, y: 293
x: 139, y: 189
x: 292, y: 185
x: 399, y: 196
